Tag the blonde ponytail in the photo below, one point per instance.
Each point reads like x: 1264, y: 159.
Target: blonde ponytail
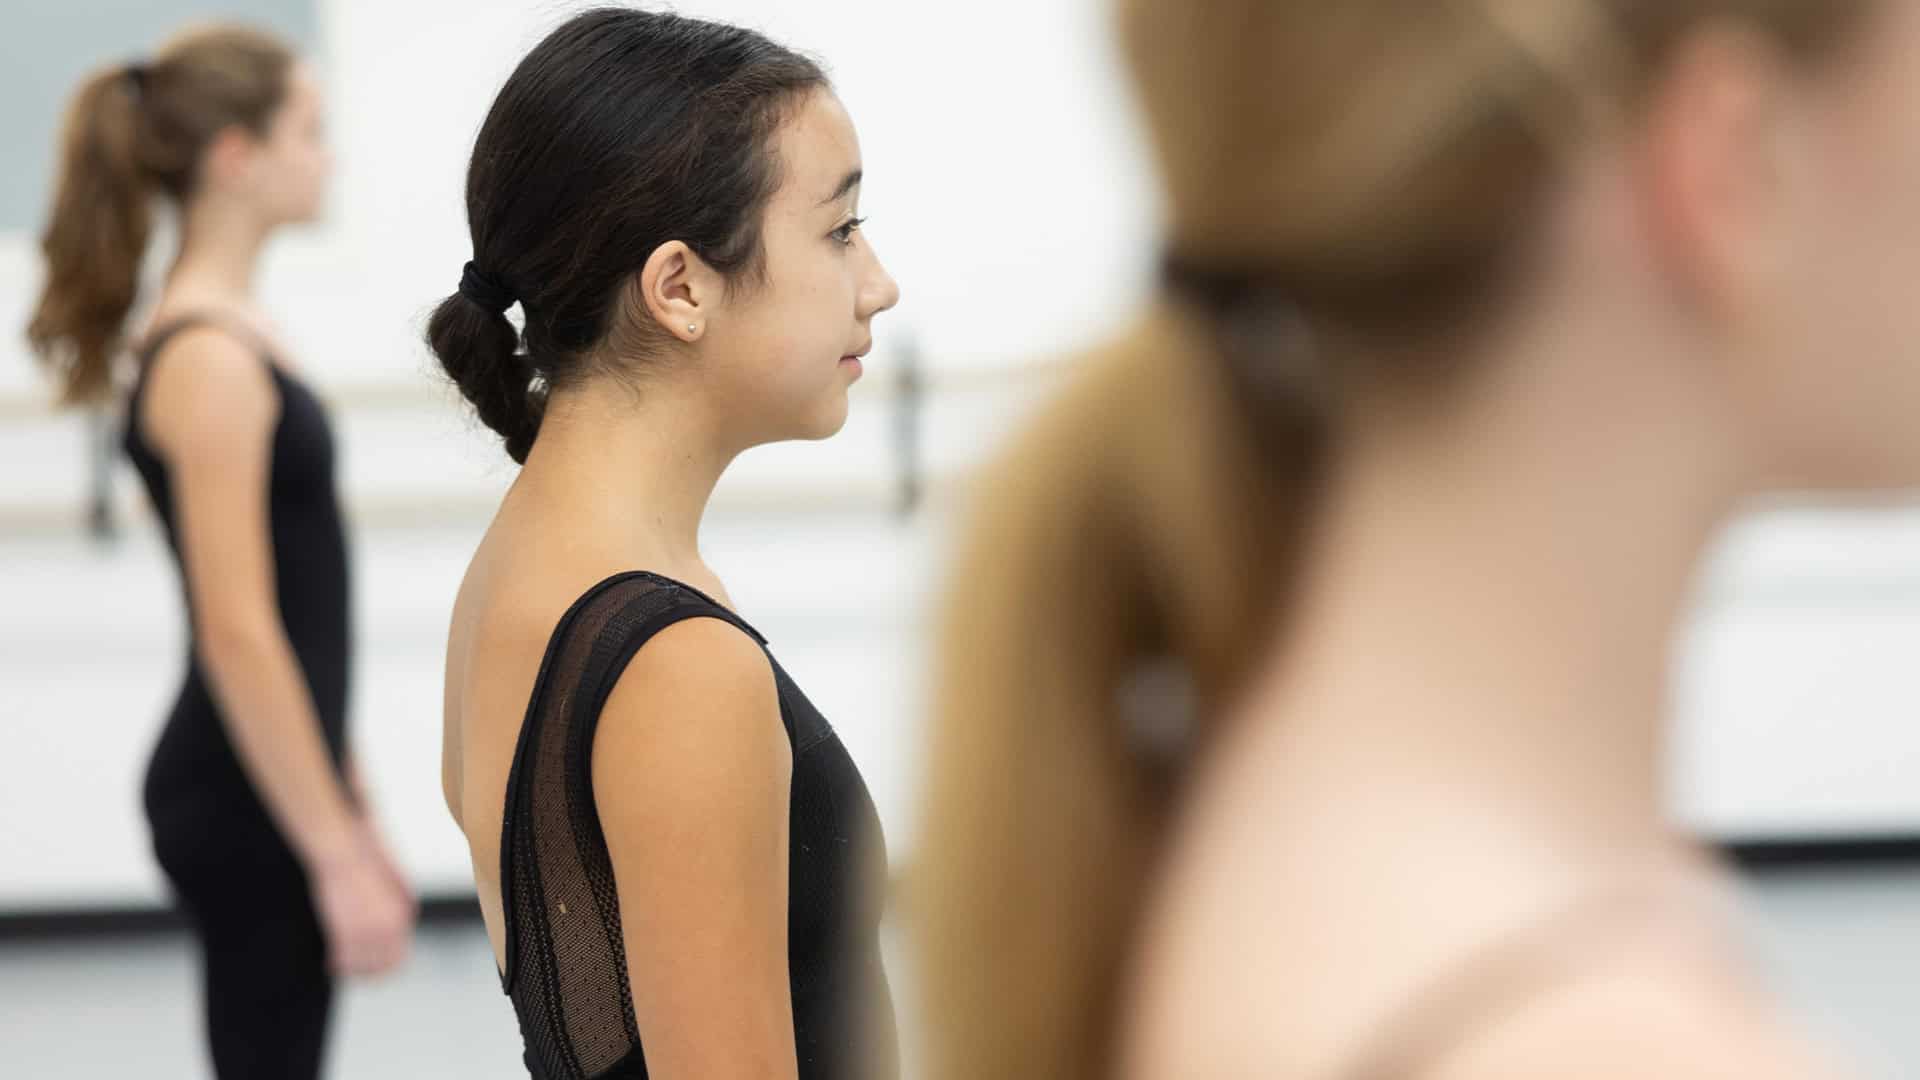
x: 1139, y: 531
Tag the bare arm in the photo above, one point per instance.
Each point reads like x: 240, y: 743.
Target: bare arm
x: 691, y: 773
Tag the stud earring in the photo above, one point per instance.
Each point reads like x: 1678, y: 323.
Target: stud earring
x: 693, y: 328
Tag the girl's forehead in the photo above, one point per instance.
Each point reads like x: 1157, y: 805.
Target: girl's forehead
x: 820, y: 150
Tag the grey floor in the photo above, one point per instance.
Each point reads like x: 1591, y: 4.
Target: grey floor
x: 1845, y: 946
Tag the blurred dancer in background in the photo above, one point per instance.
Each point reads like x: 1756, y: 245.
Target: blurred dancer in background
x: 1304, y: 681
x: 681, y: 869
x: 258, y: 818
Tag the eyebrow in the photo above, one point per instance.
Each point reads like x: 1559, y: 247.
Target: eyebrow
x: 847, y: 185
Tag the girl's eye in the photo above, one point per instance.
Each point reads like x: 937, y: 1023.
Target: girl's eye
x: 844, y: 233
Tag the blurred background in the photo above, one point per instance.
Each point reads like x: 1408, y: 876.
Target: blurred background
x: 1012, y: 200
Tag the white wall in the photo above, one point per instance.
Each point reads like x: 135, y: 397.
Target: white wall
x: 1011, y: 201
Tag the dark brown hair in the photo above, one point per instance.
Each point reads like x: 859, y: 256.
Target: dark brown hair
x: 133, y: 132
x: 619, y: 132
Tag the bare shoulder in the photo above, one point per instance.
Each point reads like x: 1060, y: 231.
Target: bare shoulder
x: 1636, y: 1014
x: 1273, y: 949
x: 206, y: 390
x: 1646, y: 1017
x: 698, y: 667
x: 691, y: 742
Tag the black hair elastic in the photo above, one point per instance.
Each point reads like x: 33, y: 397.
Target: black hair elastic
x: 137, y: 74
x: 1264, y: 334
x: 1220, y: 290
x: 485, y: 290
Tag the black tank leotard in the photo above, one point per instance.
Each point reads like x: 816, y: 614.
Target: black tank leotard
x: 566, y: 968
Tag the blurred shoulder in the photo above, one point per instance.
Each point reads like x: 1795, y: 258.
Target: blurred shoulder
x: 207, y: 389
x: 1647, y: 1016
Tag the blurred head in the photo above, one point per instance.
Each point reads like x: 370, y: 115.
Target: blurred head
x: 1399, y: 171
x: 1398, y: 179
x: 223, y: 113
x: 279, y: 174
x: 666, y: 197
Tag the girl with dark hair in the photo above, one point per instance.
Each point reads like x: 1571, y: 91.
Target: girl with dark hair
x: 257, y: 816
x: 681, y: 869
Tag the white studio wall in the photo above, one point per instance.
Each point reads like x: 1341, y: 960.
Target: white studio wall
x: 1012, y: 200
